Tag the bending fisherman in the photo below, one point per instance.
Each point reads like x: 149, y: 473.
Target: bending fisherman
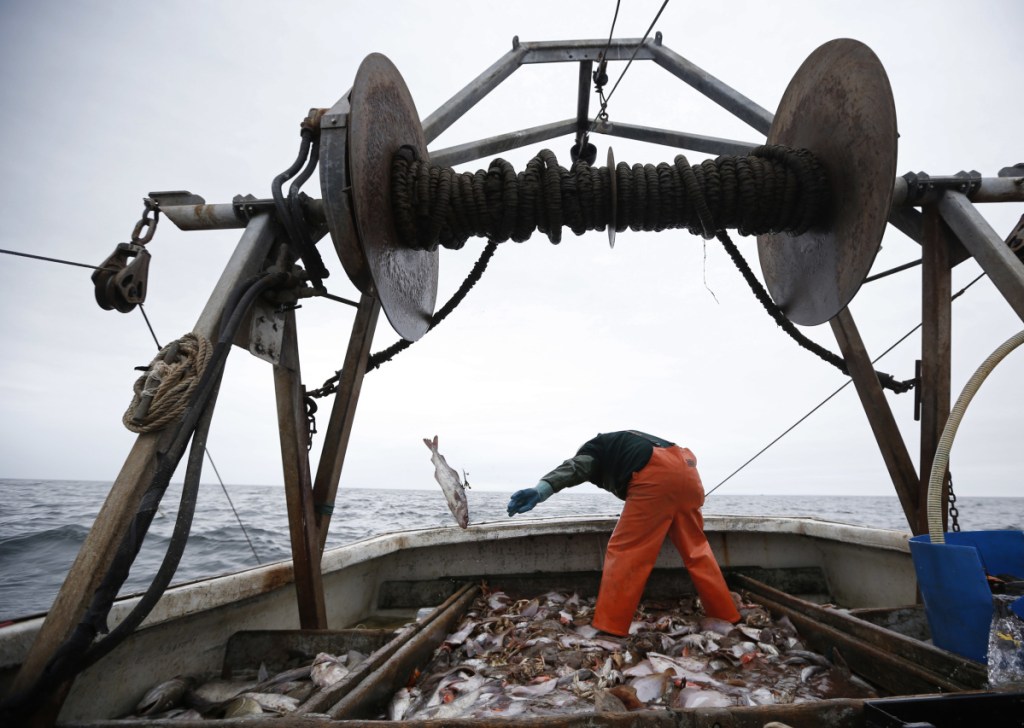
x: 663, y: 492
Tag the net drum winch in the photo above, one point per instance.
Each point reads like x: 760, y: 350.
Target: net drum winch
x: 838, y: 108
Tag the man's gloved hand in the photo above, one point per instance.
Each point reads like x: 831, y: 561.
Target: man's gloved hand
x: 524, y: 500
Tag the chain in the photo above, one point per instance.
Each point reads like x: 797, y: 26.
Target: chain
x: 311, y: 408
x: 147, y: 223
x: 953, y: 512
x: 329, y: 387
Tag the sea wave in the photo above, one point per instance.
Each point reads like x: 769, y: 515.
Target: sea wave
x: 44, y: 523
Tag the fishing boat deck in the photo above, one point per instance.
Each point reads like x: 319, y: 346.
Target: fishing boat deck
x: 846, y: 588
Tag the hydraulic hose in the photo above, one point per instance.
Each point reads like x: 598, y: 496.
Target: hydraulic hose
x: 941, y: 462
x: 78, y: 652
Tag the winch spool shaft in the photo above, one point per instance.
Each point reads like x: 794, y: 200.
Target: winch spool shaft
x: 838, y: 108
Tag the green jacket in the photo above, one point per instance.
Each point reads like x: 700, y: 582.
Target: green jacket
x: 608, y: 461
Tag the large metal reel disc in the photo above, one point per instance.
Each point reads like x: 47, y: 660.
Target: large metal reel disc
x: 839, y: 106
x: 383, y: 118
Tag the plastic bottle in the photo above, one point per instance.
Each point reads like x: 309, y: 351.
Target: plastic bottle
x: 1005, y: 646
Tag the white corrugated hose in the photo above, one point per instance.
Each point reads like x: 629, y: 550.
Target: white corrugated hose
x: 941, y: 462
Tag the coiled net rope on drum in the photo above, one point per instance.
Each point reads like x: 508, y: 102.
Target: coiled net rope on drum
x: 170, y: 383
x: 773, y: 189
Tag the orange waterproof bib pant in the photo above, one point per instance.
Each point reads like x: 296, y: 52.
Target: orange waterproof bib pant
x: 663, y: 497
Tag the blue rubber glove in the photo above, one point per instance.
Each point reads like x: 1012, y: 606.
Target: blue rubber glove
x: 524, y: 500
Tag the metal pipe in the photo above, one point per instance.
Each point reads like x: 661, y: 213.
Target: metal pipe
x: 324, y: 698
x: 247, y: 260
x: 450, y: 156
x: 722, y: 94
x: 229, y: 215
x: 452, y: 110
x: 908, y: 221
x: 993, y: 255
x: 674, y: 139
x: 990, y: 189
x: 561, y: 51
x: 583, y: 101
x: 383, y: 681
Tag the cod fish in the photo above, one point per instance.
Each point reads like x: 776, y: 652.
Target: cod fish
x: 165, y: 696
x: 451, y: 484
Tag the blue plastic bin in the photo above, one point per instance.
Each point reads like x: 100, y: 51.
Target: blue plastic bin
x: 951, y: 577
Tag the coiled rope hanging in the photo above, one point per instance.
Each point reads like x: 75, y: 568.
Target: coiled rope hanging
x: 167, y: 384
x: 773, y: 189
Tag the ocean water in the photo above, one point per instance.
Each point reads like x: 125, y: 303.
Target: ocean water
x: 44, y: 523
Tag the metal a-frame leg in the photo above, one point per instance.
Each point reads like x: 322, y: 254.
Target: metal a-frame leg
x: 339, y: 427
x: 992, y: 253
x: 936, y: 318
x: 294, y: 432
x: 880, y: 417
x: 97, y: 552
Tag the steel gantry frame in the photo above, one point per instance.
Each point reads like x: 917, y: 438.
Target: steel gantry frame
x: 948, y: 227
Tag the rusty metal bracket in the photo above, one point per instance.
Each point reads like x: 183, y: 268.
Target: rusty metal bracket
x: 266, y: 334
x: 923, y: 188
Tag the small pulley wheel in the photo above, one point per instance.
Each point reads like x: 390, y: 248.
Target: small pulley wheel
x: 839, y: 106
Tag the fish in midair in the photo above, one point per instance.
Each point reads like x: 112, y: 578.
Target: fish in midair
x: 451, y: 484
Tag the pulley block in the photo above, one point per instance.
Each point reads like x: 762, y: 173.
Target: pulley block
x: 121, y: 282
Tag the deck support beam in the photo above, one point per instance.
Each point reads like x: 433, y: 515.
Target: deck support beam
x: 294, y: 431
x: 934, y: 384
x: 880, y: 417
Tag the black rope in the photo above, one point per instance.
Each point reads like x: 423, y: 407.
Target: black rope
x: 479, y: 267
x: 330, y: 386
x: 773, y: 189
x: 886, y: 380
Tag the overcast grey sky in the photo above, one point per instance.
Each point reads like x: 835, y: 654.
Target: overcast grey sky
x: 102, y: 102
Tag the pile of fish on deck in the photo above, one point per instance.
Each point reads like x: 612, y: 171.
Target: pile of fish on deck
x: 541, y: 657
x: 258, y: 693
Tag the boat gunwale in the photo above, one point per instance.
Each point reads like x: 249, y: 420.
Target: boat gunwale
x: 210, y: 593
